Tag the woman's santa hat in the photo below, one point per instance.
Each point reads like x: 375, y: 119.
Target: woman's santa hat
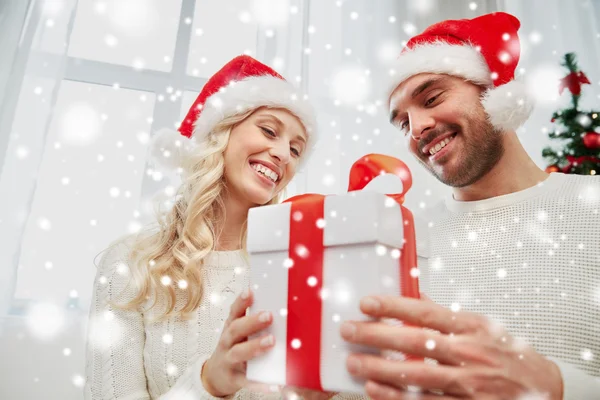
x: 484, y: 50
x: 241, y: 85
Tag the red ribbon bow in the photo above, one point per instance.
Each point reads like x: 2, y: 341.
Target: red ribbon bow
x: 573, y: 82
x: 303, y: 359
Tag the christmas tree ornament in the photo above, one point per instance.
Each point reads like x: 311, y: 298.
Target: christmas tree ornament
x: 577, y: 130
x: 591, y: 140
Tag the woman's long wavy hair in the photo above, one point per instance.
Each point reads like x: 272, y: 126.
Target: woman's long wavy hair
x: 187, y: 232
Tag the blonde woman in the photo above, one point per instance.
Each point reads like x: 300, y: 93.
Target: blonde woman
x: 165, y: 322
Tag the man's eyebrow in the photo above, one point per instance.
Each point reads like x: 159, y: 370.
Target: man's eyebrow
x: 418, y: 90
x: 421, y: 88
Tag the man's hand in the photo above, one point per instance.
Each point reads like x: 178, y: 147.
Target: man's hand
x: 477, y: 359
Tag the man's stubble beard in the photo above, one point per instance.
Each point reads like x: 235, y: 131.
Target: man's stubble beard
x: 482, y: 149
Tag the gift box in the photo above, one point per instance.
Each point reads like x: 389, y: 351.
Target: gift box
x: 312, y: 258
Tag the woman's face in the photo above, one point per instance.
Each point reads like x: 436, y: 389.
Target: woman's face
x: 262, y: 155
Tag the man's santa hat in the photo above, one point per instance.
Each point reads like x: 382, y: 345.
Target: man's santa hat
x: 483, y: 50
x: 243, y: 84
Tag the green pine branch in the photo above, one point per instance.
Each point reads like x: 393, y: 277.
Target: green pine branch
x: 570, y: 131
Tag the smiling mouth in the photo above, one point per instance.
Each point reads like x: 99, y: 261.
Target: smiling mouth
x: 439, y: 146
x: 265, y: 172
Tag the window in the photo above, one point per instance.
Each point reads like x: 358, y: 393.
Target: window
x: 104, y: 75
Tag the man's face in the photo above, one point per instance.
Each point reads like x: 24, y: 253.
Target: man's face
x: 446, y: 127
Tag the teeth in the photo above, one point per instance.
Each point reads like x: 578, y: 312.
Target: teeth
x: 440, y: 145
x: 269, y: 173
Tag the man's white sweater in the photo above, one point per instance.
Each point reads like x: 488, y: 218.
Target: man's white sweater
x: 530, y: 260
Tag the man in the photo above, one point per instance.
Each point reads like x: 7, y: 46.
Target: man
x: 513, y: 263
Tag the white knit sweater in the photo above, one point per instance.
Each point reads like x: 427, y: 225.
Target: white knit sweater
x: 133, y: 359
x: 530, y: 260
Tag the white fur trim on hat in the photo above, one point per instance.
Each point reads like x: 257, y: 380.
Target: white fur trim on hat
x: 442, y: 58
x: 508, y: 106
x: 168, y: 148
x: 254, y: 92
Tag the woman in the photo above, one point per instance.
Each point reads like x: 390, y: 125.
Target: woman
x: 161, y: 325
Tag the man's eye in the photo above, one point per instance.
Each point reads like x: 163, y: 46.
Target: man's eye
x: 404, y: 125
x: 431, y: 100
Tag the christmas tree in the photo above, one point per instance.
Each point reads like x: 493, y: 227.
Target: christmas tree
x: 578, y: 131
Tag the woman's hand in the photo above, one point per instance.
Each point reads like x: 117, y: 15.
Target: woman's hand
x: 296, y: 393
x: 224, y: 373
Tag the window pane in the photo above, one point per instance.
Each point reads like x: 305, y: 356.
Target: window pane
x: 221, y: 31
x: 137, y: 33
x: 187, y: 100
x: 88, y: 190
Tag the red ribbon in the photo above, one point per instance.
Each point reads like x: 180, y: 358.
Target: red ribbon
x: 364, y: 171
x: 304, y: 302
x: 573, y: 82
x: 303, y: 358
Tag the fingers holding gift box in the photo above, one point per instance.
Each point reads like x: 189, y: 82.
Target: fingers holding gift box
x: 224, y: 372
x: 312, y: 259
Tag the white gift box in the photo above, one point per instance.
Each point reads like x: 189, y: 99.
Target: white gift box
x: 362, y: 234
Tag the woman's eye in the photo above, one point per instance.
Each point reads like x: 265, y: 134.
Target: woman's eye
x: 268, y: 132
x: 296, y: 152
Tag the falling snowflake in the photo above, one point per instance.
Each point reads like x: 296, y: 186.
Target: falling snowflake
x: 350, y: 84
x: 182, y: 284
x: 409, y: 28
x: 270, y: 12
x: 45, y: 320
x: 165, y: 280
x: 80, y: 125
x: 135, y: 18
x: 22, y: 152
x: 78, y: 381
x: 542, y: 83
x: 44, y: 224
x: 587, y: 355
x: 172, y: 369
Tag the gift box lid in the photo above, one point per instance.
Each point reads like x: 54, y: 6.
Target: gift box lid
x: 354, y: 218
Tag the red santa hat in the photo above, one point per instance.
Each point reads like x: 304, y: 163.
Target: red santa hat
x: 241, y: 85
x: 484, y: 50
